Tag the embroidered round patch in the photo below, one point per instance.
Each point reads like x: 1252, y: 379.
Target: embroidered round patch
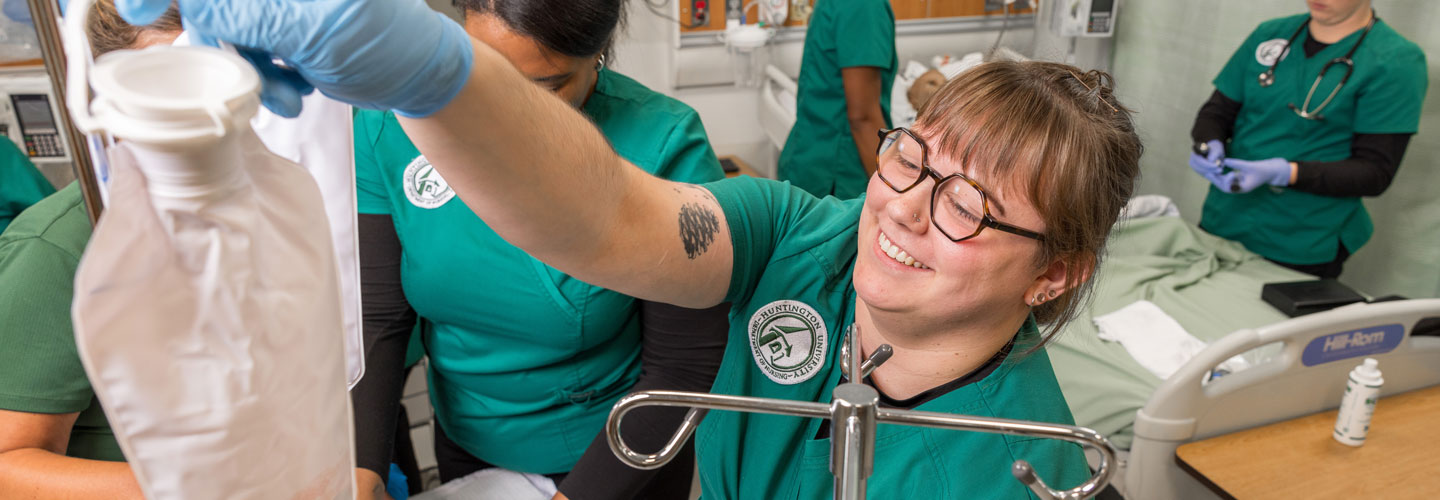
x: 423, y: 185
x: 788, y: 341
x: 1270, y: 51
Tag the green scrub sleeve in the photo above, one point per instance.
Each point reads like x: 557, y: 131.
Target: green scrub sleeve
x: 759, y: 212
x: 21, y: 185
x: 370, y: 196
x: 40, y: 370
x: 687, y: 154
x: 865, y: 35
x: 1392, y: 105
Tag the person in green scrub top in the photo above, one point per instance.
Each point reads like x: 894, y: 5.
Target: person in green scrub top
x: 846, y: 72
x: 526, y: 361
x: 54, y: 439
x: 21, y: 184
x: 1290, y: 147
x: 983, y: 223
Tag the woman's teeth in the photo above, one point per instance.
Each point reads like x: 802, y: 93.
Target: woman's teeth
x: 899, y: 255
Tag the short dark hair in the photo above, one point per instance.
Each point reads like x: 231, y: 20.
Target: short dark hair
x: 576, y: 28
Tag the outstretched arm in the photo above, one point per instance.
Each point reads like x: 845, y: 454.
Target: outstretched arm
x: 33, y: 462
x: 546, y: 180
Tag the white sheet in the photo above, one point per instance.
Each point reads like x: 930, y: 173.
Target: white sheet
x: 902, y: 114
x: 493, y: 484
x: 1154, y: 339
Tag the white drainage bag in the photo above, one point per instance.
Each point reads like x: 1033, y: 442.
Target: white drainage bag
x: 207, y: 307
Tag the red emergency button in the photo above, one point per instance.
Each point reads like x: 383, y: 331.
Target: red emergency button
x: 700, y: 4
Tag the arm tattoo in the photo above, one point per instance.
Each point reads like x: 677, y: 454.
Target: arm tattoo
x: 698, y: 226
x: 703, y: 192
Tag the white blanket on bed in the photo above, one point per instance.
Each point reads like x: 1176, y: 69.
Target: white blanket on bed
x: 1154, y: 339
x: 493, y: 484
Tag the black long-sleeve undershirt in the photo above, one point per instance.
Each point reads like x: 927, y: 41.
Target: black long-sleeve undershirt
x: 681, y: 349
x: 387, y: 322
x: 1374, y: 158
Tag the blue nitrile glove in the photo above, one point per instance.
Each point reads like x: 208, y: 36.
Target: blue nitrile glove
x: 398, y: 486
x: 377, y: 54
x: 1208, y: 166
x: 1253, y: 174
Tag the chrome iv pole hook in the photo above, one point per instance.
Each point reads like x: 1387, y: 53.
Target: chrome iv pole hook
x: 849, y: 355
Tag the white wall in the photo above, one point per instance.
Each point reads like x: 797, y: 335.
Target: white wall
x: 650, y: 52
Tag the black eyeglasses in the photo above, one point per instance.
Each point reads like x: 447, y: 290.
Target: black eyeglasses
x: 958, y: 206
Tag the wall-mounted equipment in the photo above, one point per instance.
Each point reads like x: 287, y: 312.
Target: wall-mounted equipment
x: 29, y: 117
x: 748, y: 51
x: 699, y: 12
x: 1088, y: 18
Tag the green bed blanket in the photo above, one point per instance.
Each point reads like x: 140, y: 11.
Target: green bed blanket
x: 1210, y: 285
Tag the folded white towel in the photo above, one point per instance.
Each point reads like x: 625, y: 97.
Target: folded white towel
x: 1149, y: 205
x: 494, y: 484
x: 1154, y: 339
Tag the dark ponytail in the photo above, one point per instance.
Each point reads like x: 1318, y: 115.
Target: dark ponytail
x: 576, y: 28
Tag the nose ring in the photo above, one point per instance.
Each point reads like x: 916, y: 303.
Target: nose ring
x: 916, y: 216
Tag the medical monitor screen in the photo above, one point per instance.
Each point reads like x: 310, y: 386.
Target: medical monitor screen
x: 1101, y: 5
x: 34, y: 111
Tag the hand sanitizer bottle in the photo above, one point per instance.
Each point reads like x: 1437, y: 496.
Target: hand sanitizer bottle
x: 1358, y: 406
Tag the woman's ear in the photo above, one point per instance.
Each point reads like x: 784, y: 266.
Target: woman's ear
x: 1059, y: 276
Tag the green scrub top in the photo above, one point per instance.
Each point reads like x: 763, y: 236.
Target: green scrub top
x: 525, y: 360
x: 820, y: 154
x: 1383, y: 96
x: 21, y: 185
x: 40, y: 370
x: 792, y: 295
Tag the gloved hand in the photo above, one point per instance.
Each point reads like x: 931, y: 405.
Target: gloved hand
x: 1253, y: 174
x: 1209, y: 166
x: 378, y: 54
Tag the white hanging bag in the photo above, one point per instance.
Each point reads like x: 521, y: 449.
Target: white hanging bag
x: 207, y: 307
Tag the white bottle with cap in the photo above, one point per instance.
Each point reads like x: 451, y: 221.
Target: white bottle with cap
x: 1358, y: 405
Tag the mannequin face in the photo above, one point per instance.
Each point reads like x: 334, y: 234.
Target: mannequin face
x: 924, y: 87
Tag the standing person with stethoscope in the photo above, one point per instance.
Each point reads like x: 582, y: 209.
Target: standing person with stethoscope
x: 1320, y: 107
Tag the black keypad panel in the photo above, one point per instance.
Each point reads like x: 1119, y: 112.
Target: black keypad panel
x: 44, y: 146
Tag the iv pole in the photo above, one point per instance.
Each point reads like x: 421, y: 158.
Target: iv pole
x: 43, y: 12
x: 853, y: 413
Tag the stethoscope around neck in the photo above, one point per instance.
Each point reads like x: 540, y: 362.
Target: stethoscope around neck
x: 1268, y: 77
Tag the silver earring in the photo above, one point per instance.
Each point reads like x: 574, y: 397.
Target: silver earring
x: 600, y: 62
x: 1052, y: 293
x: 1039, y: 299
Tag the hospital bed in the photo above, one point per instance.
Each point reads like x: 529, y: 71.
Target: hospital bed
x: 1296, y: 381
x: 777, y: 105
x: 1211, y: 287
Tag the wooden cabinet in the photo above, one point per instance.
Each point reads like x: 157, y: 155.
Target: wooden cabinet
x: 904, y: 10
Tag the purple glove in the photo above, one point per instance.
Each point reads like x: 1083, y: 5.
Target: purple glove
x: 1253, y: 174
x: 1208, y: 166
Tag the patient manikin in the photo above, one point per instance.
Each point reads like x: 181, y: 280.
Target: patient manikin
x: 924, y: 87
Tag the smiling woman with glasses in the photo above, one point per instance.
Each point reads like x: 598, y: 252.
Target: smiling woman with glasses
x: 1039, y: 152
x: 957, y: 204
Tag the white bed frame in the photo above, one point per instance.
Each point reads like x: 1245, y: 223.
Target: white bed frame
x: 777, y: 115
x: 1182, y: 410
